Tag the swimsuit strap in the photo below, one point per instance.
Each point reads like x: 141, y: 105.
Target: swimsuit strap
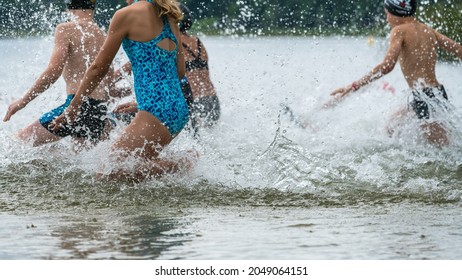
x: 165, y: 33
x: 199, y: 47
x: 197, y: 62
x: 189, y: 50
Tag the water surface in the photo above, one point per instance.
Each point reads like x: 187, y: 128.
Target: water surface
x: 263, y: 188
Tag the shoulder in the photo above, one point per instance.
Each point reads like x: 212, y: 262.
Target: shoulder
x: 121, y: 13
x: 187, y: 35
x: 173, y: 24
x: 399, y: 31
x: 64, y: 30
x: 125, y: 13
x: 122, y: 19
x: 427, y: 29
x: 65, y: 26
x: 68, y: 28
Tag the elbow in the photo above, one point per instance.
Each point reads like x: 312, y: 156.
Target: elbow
x: 52, y: 74
x: 98, y: 71
x: 387, y: 65
x: 387, y: 68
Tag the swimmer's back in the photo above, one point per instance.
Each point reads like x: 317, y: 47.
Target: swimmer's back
x: 84, y: 42
x: 199, y: 77
x: 145, y: 23
x: 419, y: 54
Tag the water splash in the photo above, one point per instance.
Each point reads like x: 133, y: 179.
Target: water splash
x: 256, y: 155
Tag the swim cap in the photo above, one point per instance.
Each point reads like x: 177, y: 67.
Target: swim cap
x: 80, y: 4
x: 401, y: 8
x: 186, y: 22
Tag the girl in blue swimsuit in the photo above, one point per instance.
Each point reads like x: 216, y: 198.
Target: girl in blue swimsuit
x: 157, y: 86
x: 148, y: 31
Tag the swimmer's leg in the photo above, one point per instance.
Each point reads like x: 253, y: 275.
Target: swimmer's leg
x: 435, y: 134
x: 154, y: 168
x: 143, y: 138
x: 37, y: 135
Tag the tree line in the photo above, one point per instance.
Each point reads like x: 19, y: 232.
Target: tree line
x: 249, y: 17
x: 33, y: 17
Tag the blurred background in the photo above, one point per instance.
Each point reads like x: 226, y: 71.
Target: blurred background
x: 250, y: 17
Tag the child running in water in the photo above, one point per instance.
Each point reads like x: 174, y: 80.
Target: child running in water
x: 205, y: 107
x: 415, y: 45
x: 77, y: 42
x: 197, y: 87
x: 148, y: 31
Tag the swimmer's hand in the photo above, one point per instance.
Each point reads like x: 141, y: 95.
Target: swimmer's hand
x: 67, y: 117
x: 130, y: 107
x: 339, y: 94
x: 117, y: 75
x: 13, y: 108
x: 332, y: 103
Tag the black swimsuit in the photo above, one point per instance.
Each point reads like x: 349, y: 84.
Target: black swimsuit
x: 420, y: 106
x: 204, y: 111
x: 197, y: 62
x: 90, y: 123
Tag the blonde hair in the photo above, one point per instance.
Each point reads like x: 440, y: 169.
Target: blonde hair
x: 170, y: 8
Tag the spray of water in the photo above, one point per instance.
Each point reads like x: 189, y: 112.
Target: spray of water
x: 257, y: 154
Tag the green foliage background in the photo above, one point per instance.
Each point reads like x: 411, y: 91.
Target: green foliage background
x: 248, y: 17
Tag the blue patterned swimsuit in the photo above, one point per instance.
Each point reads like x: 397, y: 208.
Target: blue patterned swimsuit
x: 157, y: 86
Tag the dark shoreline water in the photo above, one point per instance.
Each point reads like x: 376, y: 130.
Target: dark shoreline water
x: 53, y: 191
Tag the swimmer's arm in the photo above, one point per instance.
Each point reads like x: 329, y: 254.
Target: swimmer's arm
x: 385, y: 67
x: 119, y: 92
x: 97, y: 70
x: 55, y: 66
x: 129, y: 107
x: 449, y: 45
x: 181, y: 65
x: 48, y: 77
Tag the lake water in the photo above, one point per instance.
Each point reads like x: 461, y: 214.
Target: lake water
x: 263, y: 188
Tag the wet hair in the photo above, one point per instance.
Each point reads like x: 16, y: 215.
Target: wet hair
x: 186, y: 22
x: 80, y: 4
x: 401, y: 8
x: 170, y: 8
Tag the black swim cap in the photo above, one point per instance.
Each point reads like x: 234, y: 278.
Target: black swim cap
x: 401, y: 8
x: 186, y: 22
x: 80, y: 4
